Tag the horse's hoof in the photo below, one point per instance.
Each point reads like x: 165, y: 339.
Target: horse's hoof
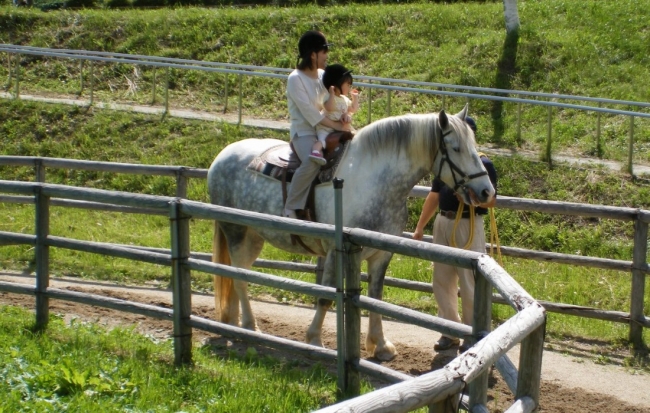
x: 252, y: 327
x: 314, y: 341
x: 387, y: 352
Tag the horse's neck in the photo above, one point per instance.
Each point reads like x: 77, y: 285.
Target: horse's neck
x: 391, y: 171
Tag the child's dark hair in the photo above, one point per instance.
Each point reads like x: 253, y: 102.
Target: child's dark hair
x: 336, y: 75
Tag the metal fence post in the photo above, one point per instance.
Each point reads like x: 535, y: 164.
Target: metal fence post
x: 369, y: 103
x: 167, y: 92
x: 519, y: 123
x: 181, y: 282
x: 240, y: 99
x: 42, y: 258
x: 153, y: 87
x: 81, y: 77
x: 17, y: 76
x: 225, y: 104
x: 339, y: 264
x: 92, y: 82
x: 630, y: 151
x: 482, y: 319
x: 599, y: 145
x: 388, y: 103
x: 9, y: 60
x: 639, y: 262
x: 549, y: 130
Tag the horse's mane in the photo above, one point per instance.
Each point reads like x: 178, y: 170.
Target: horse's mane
x: 414, y: 134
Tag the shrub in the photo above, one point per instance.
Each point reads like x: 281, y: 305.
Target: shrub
x: 88, y: 4
x: 149, y: 3
x: 114, y: 4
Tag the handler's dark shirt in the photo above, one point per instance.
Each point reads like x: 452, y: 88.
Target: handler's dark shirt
x: 448, y: 200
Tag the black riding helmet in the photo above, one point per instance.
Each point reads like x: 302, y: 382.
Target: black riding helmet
x: 336, y: 75
x: 312, y: 41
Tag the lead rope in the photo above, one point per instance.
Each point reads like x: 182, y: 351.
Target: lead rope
x: 494, y: 237
x: 459, y: 214
x: 494, y: 232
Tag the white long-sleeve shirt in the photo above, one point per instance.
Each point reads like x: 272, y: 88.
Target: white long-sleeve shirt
x: 305, y: 100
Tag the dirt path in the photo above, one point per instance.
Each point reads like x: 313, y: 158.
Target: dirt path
x: 572, y: 382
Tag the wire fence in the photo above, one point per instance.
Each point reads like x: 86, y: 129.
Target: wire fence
x: 239, y: 83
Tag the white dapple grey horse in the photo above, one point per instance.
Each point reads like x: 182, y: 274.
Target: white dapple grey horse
x: 380, y: 166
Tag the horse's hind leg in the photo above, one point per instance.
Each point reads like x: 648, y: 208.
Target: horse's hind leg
x: 314, y: 332
x: 245, y: 246
x: 376, y: 343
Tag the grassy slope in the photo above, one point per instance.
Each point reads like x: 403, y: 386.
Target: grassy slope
x: 578, y: 48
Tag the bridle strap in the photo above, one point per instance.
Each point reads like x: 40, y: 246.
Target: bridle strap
x: 460, y: 178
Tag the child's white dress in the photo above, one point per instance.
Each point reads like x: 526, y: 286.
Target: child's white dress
x: 341, y: 105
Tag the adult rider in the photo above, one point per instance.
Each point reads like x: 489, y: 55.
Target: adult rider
x: 305, y: 97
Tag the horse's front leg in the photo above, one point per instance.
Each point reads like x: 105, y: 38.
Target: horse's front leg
x: 376, y: 343
x: 315, y: 330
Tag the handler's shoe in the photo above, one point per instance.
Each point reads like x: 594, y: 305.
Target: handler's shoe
x: 464, y: 347
x: 317, y: 157
x: 289, y: 213
x: 445, y: 343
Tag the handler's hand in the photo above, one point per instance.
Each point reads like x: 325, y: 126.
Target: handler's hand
x: 418, y: 234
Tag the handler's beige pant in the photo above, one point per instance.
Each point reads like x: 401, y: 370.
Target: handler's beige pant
x: 446, y: 278
x: 304, y: 175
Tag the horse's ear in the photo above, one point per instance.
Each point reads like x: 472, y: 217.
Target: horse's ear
x: 443, y: 120
x: 463, y: 113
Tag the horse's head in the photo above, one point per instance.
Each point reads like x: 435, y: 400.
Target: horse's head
x: 457, y: 162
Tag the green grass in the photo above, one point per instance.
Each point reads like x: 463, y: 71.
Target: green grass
x: 83, y: 367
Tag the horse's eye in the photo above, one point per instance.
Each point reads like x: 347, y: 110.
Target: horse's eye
x: 457, y: 150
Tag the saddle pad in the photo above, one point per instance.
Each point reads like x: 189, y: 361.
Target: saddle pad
x: 274, y: 160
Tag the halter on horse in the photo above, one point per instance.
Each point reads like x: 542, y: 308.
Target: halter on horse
x: 381, y: 165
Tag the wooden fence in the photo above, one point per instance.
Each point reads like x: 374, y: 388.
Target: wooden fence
x: 433, y: 389
x: 638, y: 267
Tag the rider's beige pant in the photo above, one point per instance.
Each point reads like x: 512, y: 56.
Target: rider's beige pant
x: 446, y: 278
x: 304, y: 175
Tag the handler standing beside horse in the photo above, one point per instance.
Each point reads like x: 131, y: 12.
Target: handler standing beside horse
x: 450, y: 232
x: 305, y: 97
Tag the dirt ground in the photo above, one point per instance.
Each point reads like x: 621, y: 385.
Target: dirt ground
x: 571, y: 381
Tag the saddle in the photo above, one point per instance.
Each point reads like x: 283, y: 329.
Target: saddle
x: 280, y: 162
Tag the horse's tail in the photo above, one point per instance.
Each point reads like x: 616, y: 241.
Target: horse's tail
x: 223, y: 287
